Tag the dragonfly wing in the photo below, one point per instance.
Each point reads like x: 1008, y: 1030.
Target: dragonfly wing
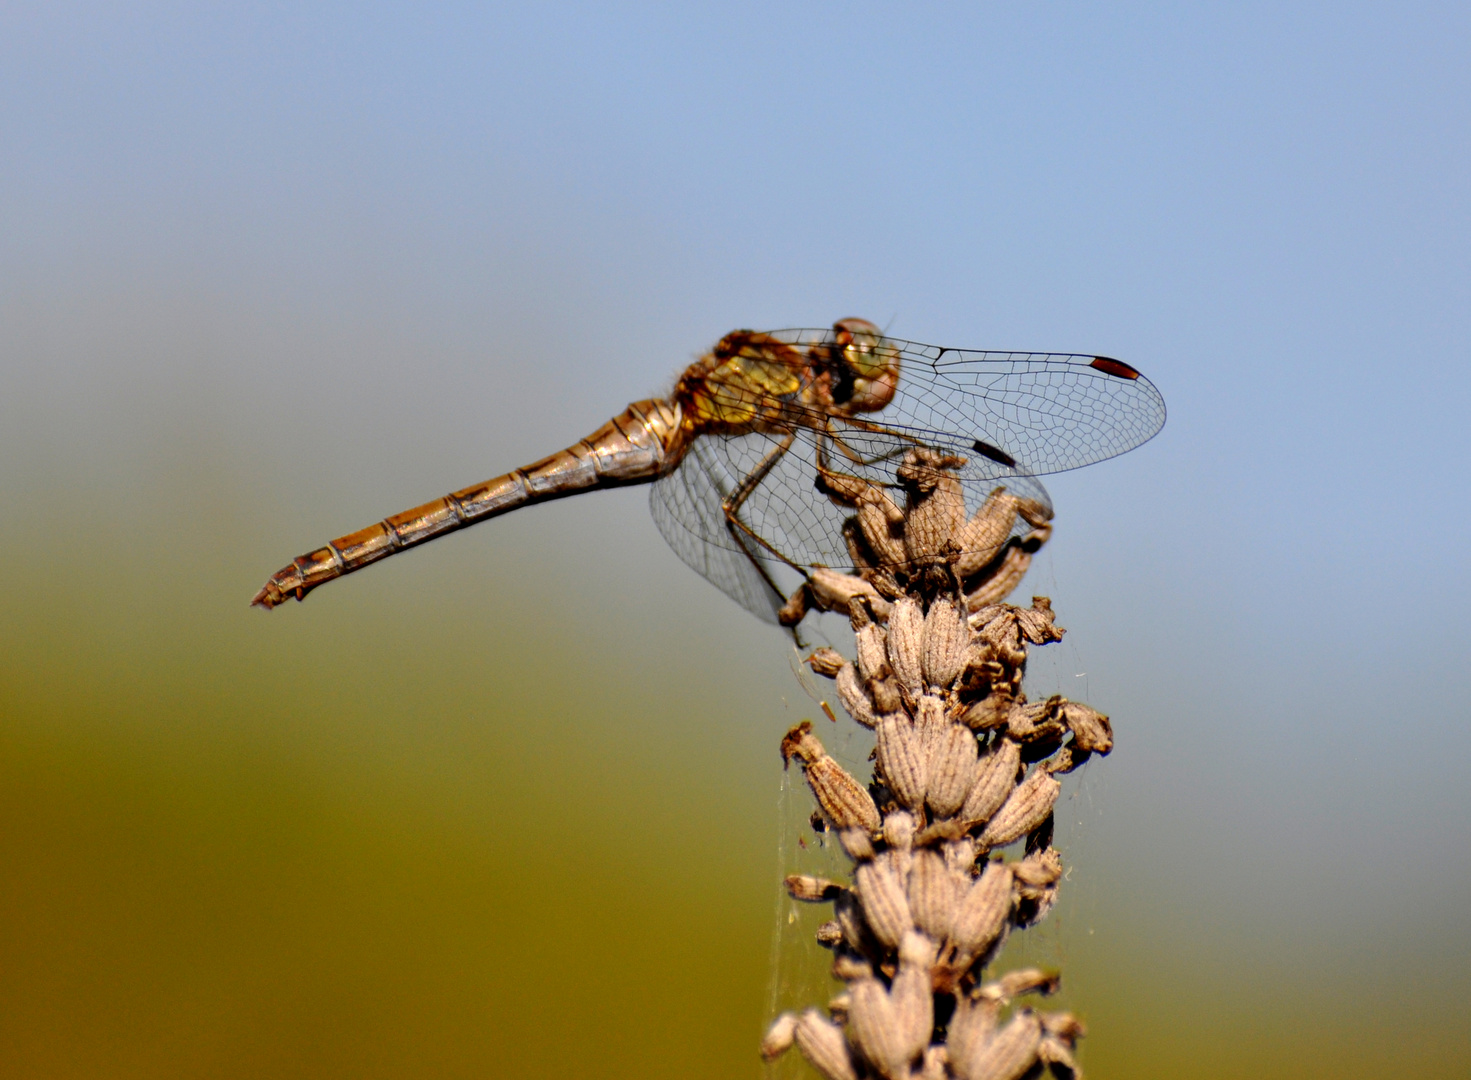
x: 687, y: 508
x: 1047, y: 412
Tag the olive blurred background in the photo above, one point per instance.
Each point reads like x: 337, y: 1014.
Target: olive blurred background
x: 512, y: 804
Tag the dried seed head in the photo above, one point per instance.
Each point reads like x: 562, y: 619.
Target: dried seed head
x: 885, y: 694
x: 811, y: 889
x: 833, y: 591
x: 946, y: 637
x: 906, y: 643
x: 899, y: 830
x: 980, y: 917
x: 825, y: 661
x: 1036, y: 622
x: 872, y: 657
x: 991, y: 711
x: 848, y: 967
x: 854, y: 697
x: 981, y: 537
x: 953, y: 771
x: 932, y: 895
x: 1026, y: 808
x: 857, y: 842
x: 822, y: 1043
x: 1006, y: 1055
x: 779, y: 1037
x: 1014, y: 564
x: 914, y: 1003
x: 1022, y: 981
x: 996, y: 772
x: 1039, y: 870
x: 1091, y: 729
x: 844, y: 801
x: 1034, y: 722
x: 901, y: 758
x: 875, y: 1031
x: 885, y: 907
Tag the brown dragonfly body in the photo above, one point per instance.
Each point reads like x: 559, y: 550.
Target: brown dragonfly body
x: 750, y: 384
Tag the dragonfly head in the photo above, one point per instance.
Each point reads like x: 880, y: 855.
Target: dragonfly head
x: 867, y: 358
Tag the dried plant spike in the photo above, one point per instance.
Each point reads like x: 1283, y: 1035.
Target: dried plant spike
x: 996, y: 775
x: 1025, y: 809
x: 827, y: 662
x: 1006, y: 1055
x: 822, y: 1043
x: 844, y: 801
x: 906, y: 643
x: 779, y: 1037
x: 885, y: 907
x: 946, y: 637
x: 899, y: 828
x: 953, y: 771
x: 857, y: 842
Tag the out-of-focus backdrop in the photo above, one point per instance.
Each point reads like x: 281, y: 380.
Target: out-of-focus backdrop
x: 512, y: 804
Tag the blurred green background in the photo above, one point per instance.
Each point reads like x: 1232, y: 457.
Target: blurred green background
x: 512, y: 804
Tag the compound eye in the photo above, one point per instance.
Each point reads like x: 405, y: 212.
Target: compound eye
x: 863, y: 347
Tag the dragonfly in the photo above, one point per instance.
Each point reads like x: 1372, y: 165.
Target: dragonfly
x: 748, y: 455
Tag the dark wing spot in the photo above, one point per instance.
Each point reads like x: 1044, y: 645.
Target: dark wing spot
x: 1114, y: 367
x: 995, y: 453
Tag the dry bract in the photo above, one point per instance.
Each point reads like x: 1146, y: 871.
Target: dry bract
x: 938, y: 672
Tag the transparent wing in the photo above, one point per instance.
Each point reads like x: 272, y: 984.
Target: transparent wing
x: 686, y: 505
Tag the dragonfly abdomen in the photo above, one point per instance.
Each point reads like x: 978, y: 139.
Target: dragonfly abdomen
x: 637, y: 446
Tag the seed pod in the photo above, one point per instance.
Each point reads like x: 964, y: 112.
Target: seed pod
x: 899, y: 830
x: 1006, y: 1055
x: 981, y: 537
x: 885, y: 695
x: 995, y: 780
x: 1025, y: 809
x: 885, y: 907
x: 991, y: 711
x: 931, y: 723
x: 901, y: 757
x: 822, y: 1043
x: 972, y: 1026
x: 1035, y: 623
x: 1022, y: 981
x: 1039, y: 870
x: 844, y: 801
x: 871, y: 652
x: 980, y: 916
x: 914, y: 1002
x: 811, y: 889
x: 854, y: 697
x: 825, y: 661
x: 932, y: 898
x: 1091, y: 729
x: 1033, y: 722
x: 779, y: 1037
x: 848, y: 914
x: 1015, y: 562
x: 952, y: 771
x: 857, y: 842
x: 945, y: 640
x: 830, y: 934
x: 874, y: 1028
x: 906, y: 643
